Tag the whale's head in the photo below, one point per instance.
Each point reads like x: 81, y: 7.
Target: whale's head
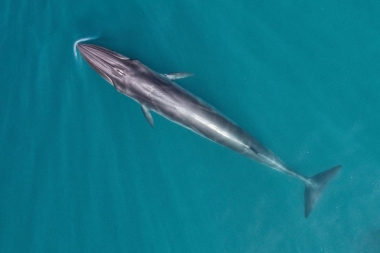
x: 113, y: 67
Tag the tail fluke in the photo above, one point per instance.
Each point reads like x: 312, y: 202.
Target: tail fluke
x: 314, y: 189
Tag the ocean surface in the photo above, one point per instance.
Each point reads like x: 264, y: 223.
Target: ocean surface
x: 82, y: 171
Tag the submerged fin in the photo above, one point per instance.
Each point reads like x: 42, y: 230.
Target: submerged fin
x: 314, y: 189
x: 178, y: 75
x: 147, y: 115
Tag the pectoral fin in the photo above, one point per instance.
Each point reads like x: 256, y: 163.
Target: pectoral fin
x: 179, y: 75
x: 147, y: 115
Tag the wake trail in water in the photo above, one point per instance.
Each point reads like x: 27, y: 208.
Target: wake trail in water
x: 75, y: 49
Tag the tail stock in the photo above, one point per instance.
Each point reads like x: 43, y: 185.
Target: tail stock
x: 314, y: 189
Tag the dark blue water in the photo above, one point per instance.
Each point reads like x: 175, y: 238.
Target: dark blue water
x: 82, y: 171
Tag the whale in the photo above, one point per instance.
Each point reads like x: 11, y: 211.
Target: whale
x: 159, y: 93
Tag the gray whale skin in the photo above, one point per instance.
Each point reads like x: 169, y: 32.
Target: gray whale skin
x: 159, y: 93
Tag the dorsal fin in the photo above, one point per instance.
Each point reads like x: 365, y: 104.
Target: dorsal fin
x: 254, y: 150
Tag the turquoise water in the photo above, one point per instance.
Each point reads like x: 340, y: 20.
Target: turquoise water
x: 82, y: 171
